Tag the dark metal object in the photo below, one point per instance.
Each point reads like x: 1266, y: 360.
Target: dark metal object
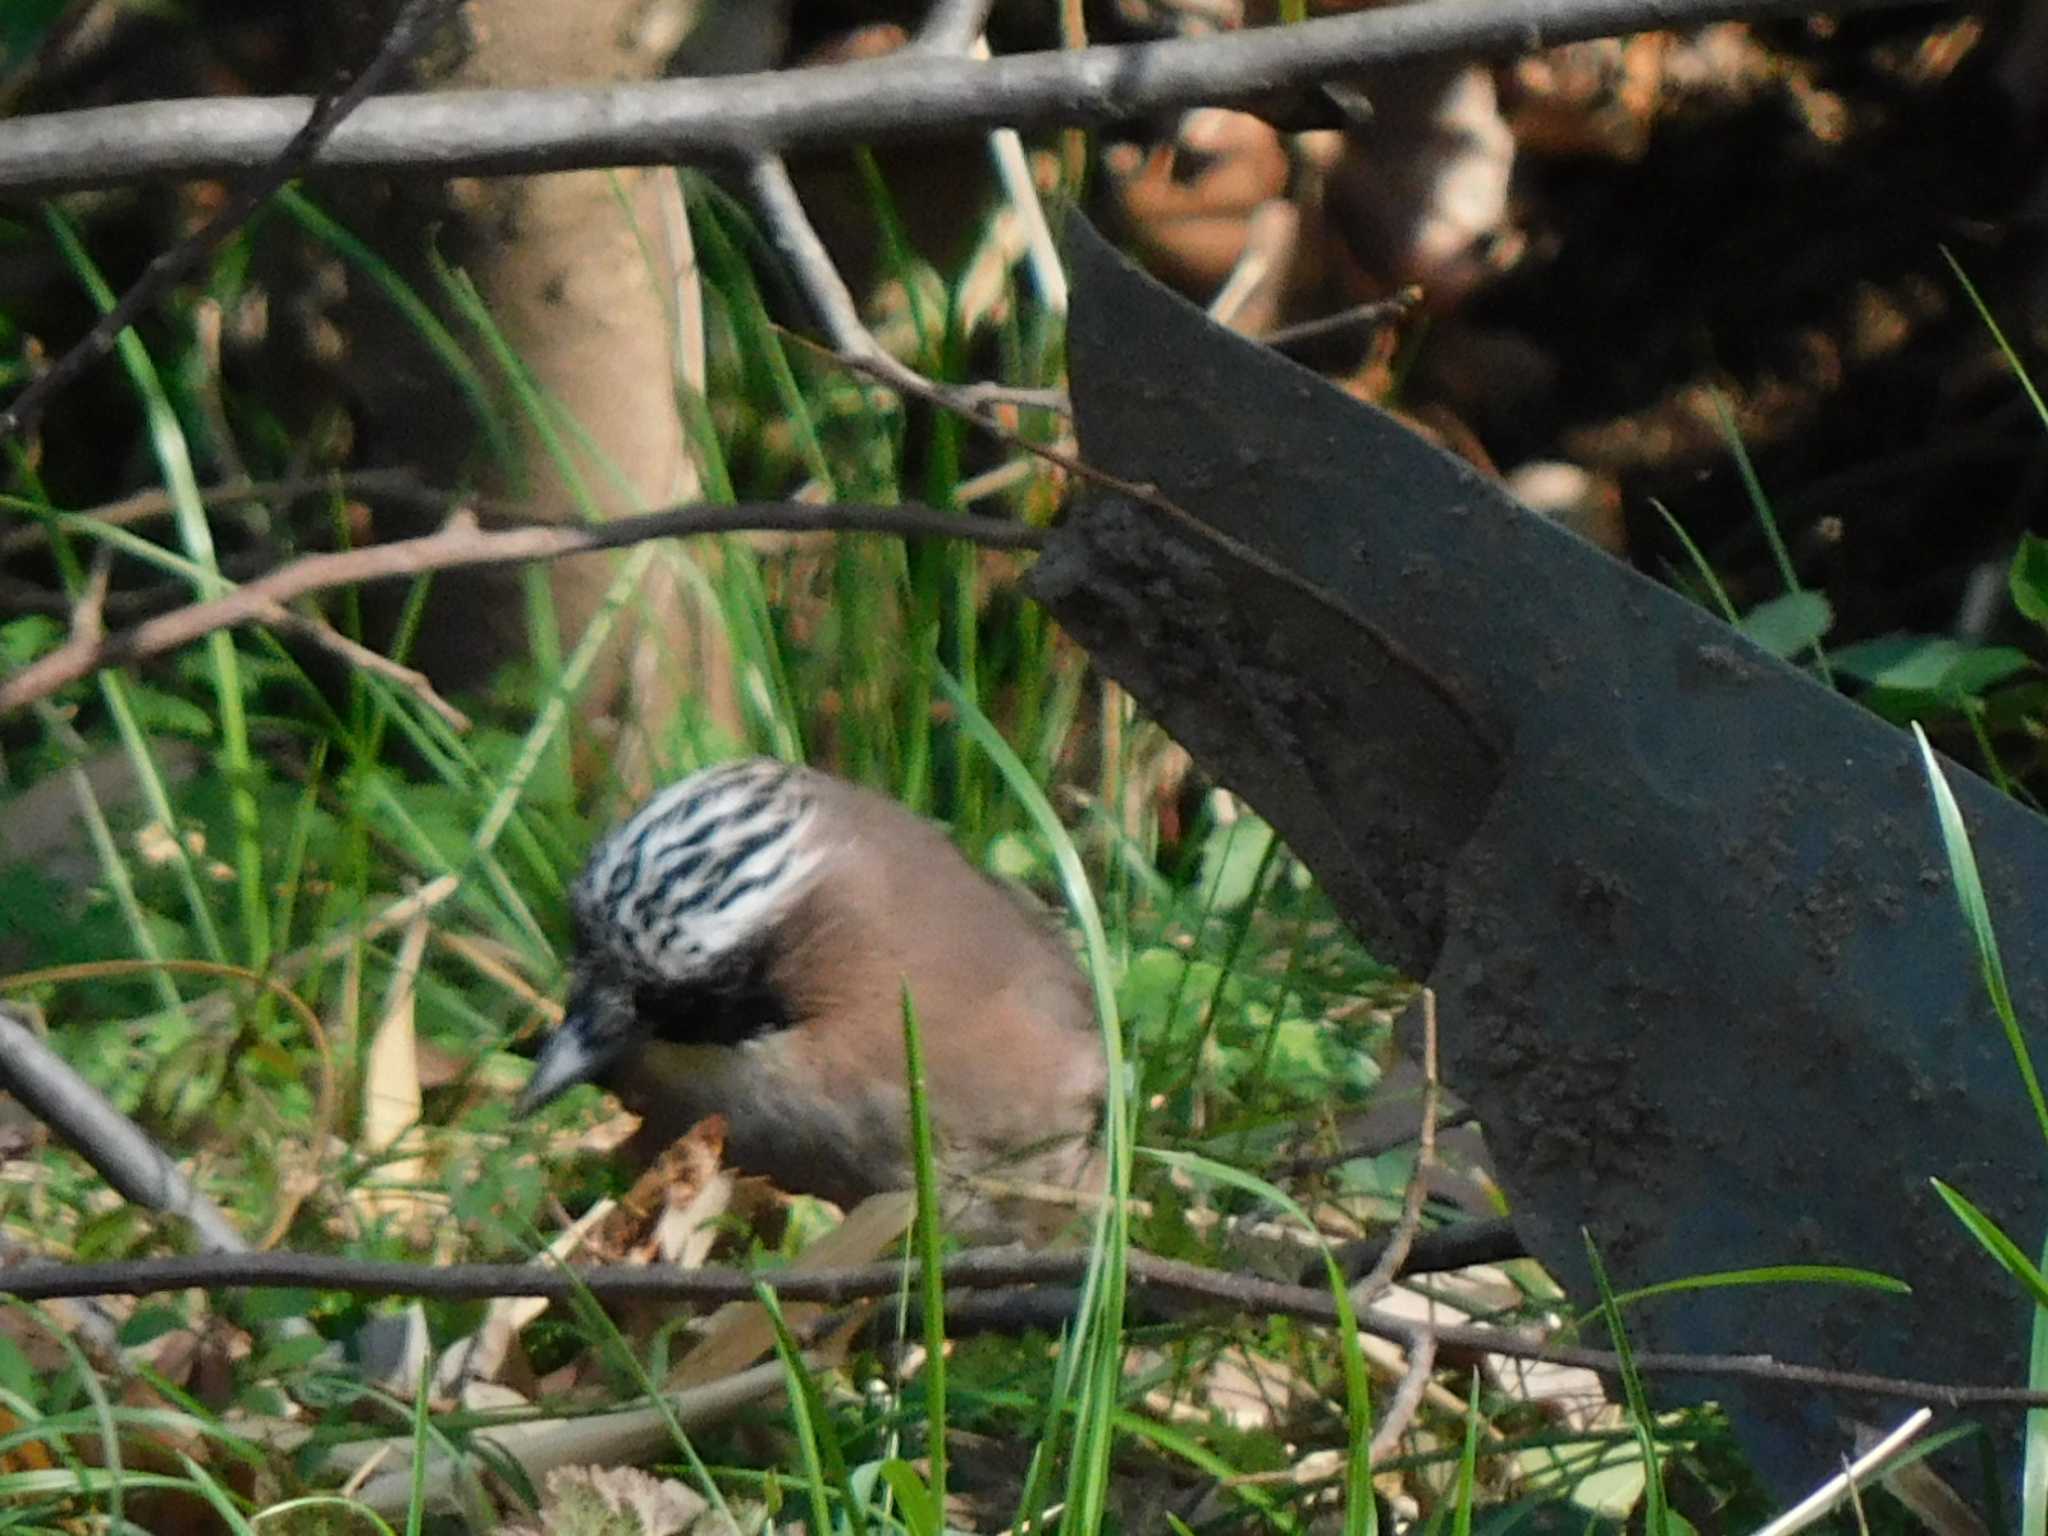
x: 1491, y: 1240
x: 1699, y: 964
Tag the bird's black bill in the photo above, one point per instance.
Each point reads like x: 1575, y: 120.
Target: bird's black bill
x: 573, y: 1054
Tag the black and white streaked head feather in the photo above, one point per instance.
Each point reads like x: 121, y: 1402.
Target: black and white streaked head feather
x: 688, y: 888
x: 701, y: 870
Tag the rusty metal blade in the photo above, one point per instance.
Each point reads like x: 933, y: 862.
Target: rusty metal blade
x: 1699, y: 964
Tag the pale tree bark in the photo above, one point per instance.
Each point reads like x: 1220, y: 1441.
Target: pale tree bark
x: 589, y: 278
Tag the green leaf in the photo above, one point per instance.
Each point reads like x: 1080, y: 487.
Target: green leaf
x: 150, y: 1323
x: 268, y: 1305
x: 1231, y: 857
x: 2028, y: 579
x: 290, y: 1355
x: 919, y: 1509
x: 168, y: 714
x: 1789, y: 625
x: 17, y: 1376
x: 1930, y: 666
x: 1917, y: 662
x: 1979, y: 670
x: 22, y: 640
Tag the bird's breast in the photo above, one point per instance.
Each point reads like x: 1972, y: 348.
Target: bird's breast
x: 808, y: 1131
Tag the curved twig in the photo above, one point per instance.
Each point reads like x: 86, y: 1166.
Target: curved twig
x: 463, y: 544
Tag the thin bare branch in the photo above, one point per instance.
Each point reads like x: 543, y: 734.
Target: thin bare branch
x: 911, y: 94
x: 951, y: 26
x: 144, y: 505
x: 89, y: 614
x: 775, y: 199
x: 974, y: 1269
x: 1390, y: 1261
x: 1407, y: 1398
x: 355, y: 654
x: 88, y: 629
x: 1359, y: 317
x: 463, y: 544
x: 327, y: 113
x: 135, y: 1166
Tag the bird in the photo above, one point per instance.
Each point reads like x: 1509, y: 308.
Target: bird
x: 742, y: 945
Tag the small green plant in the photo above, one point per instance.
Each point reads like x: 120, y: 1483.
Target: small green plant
x: 1976, y: 911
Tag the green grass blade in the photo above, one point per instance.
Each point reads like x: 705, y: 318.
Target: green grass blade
x: 167, y: 437
x: 447, y: 351
x: 118, y: 693
x: 1361, y: 1511
x: 355, y: 1512
x: 553, y: 713
x: 817, y: 1443
x: 1175, y: 1441
x: 1094, y: 1350
x: 931, y: 1292
x: 2012, y: 358
x: 1468, y: 1463
x: 1768, y: 1274
x: 1767, y: 519
x: 759, y: 340
x: 113, y: 866
x: 209, y: 1488
x: 2034, y: 1467
x: 1962, y: 863
x: 1993, y: 1240
x: 591, y: 1311
x: 1659, y: 1519
x: 920, y: 1510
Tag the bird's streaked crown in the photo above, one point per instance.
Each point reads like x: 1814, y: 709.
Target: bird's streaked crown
x: 702, y: 870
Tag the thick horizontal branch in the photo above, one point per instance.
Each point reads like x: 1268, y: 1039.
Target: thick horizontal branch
x: 738, y: 117
x: 972, y: 1270
x: 463, y: 544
